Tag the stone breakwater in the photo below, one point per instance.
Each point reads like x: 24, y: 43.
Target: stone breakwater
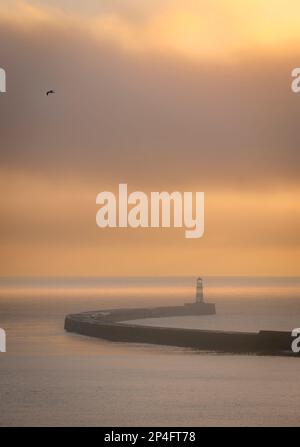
x: 114, y: 325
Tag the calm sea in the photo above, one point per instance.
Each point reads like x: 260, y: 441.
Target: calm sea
x: 52, y: 378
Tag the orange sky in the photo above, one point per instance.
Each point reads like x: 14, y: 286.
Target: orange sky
x: 179, y: 95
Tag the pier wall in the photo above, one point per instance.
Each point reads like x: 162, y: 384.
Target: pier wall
x: 107, y: 325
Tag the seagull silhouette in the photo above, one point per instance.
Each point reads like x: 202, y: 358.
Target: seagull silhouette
x: 50, y: 92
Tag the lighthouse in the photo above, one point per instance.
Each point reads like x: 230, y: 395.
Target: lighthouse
x: 199, y: 307
x: 199, y: 291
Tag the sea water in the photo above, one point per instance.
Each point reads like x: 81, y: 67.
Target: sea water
x: 50, y: 377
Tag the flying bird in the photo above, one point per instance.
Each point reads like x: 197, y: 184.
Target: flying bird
x: 50, y: 92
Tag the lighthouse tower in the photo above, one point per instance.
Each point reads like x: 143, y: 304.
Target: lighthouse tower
x: 199, y: 291
x: 199, y: 307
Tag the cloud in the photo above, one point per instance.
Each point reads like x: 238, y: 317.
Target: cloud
x: 119, y: 112
x: 154, y: 115
x: 218, y: 29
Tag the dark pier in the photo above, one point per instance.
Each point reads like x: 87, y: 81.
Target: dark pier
x: 109, y: 324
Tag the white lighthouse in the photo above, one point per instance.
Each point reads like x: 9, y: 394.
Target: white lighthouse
x: 199, y: 291
x: 199, y: 307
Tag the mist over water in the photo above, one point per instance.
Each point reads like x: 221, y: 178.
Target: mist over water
x: 50, y: 377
